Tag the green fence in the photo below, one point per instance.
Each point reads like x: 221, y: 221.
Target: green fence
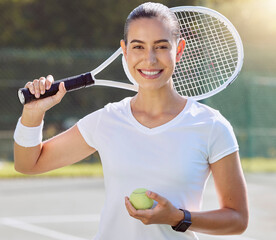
x: 248, y: 103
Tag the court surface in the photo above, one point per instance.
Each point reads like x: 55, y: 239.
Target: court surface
x: 69, y: 208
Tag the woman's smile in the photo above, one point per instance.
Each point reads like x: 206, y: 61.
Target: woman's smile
x: 150, y: 73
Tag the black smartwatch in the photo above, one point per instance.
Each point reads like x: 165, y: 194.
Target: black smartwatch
x: 185, y: 223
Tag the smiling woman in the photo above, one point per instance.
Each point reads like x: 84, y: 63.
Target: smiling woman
x: 152, y: 52
x: 156, y: 140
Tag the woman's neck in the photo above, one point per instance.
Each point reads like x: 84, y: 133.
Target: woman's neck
x: 157, y: 102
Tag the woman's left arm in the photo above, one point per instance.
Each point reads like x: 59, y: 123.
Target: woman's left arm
x: 232, y: 216
x: 230, y: 219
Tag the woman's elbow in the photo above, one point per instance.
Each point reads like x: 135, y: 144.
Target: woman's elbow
x: 24, y: 170
x: 242, y: 224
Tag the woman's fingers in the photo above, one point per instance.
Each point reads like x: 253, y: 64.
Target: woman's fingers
x: 42, y: 87
x: 39, y: 86
x: 49, y: 81
x: 60, y: 94
x: 30, y: 86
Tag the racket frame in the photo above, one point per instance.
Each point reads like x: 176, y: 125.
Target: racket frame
x: 109, y: 83
x: 236, y: 36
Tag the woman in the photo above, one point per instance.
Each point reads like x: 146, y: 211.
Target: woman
x: 157, y: 139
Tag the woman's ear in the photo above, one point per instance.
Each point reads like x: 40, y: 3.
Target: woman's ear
x: 180, y: 49
x: 123, y: 46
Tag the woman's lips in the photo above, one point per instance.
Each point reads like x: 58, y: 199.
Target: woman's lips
x: 150, y: 74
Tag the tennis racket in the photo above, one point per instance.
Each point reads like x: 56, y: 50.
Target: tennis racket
x: 212, y: 58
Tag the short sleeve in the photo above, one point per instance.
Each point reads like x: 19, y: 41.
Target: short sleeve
x: 222, y: 140
x: 88, y: 127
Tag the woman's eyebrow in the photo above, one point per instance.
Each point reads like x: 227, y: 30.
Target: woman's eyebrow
x: 136, y: 41
x: 155, y: 42
x: 161, y: 41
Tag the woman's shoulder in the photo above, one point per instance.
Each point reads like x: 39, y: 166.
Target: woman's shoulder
x: 203, y: 111
x: 118, y: 106
x: 203, y: 115
x: 198, y: 108
x: 108, y: 109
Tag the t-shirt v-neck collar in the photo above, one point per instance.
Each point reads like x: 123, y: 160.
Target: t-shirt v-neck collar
x: 160, y: 128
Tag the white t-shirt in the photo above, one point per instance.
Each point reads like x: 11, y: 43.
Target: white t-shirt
x: 171, y: 160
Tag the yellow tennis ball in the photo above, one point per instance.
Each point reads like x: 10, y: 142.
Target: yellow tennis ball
x: 140, y: 200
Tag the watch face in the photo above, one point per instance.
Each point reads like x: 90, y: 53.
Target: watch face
x: 183, y: 226
x: 185, y: 223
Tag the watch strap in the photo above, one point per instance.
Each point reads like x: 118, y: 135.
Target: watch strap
x: 185, y: 223
x: 187, y: 215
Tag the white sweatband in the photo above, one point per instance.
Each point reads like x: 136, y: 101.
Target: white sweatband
x: 28, y: 136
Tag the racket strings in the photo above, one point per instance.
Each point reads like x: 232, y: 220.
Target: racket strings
x: 211, y: 54
x: 202, y: 48
x: 224, y: 45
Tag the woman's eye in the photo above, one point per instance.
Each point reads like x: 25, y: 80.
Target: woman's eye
x: 162, y: 47
x: 138, y: 47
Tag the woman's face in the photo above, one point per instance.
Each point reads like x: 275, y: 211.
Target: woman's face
x: 151, y: 52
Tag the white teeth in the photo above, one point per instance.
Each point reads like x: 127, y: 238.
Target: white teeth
x: 151, y: 73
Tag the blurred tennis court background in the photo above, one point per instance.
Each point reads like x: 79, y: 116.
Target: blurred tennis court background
x: 65, y: 38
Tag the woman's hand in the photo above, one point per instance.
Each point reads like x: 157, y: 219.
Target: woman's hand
x: 163, y: 213
x: 34, y: 111
x: 38, y: 87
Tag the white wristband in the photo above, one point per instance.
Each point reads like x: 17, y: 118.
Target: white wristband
x: 28, y: 136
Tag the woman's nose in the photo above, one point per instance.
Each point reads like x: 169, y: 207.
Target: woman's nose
x: 151, y: 57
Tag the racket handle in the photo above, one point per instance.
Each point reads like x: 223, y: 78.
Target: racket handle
x: 71, y: 84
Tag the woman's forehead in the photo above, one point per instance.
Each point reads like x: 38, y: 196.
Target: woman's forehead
x: 149, y: 28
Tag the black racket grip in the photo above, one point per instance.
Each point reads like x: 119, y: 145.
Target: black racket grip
x: 71, y: 84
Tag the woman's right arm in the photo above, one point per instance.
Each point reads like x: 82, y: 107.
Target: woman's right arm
x: 62, y: 150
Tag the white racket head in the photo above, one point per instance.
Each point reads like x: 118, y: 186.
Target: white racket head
x: 213, y: 54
